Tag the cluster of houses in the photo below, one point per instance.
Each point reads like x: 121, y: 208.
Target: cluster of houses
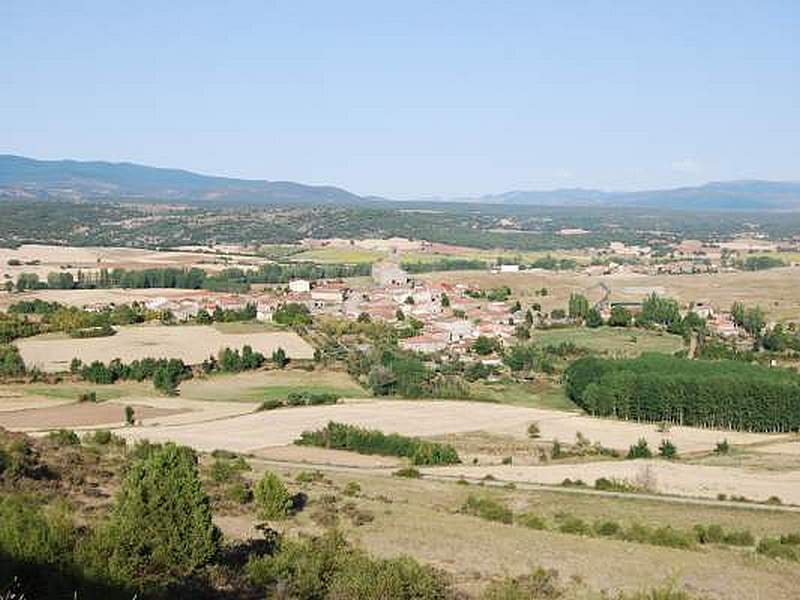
x: 450, y: 318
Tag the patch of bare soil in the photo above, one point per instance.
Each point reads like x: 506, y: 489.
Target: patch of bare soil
x: 85, y: 414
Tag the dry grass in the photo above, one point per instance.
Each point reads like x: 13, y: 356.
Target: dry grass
x: 777, y: 291
x: 420, y: 518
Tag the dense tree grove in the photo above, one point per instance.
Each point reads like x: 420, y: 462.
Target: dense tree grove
x: 165, y: 373
x: 760, y: 262
x: 342, y: 436
x: 659, y: 388
x: 659, y: 310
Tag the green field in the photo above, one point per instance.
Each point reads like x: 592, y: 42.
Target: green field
x: 247, y: 327
x: 489, y: 256
x: 340, y: 255
x: 536, y: 394
x: 610, y: 340
x: 71, y: 391
x: 267, y: 385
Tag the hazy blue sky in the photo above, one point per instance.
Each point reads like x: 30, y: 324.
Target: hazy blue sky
x: 408, y: 98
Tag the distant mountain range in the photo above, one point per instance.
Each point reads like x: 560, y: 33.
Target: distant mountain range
x: 78, y: 180
x: 22, y: 177
x: 751, y: 194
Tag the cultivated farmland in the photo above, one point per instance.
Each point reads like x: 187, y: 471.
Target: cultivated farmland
x: 191, y: 343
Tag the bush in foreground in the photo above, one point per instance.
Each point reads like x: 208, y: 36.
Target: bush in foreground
x: 328, y: 567
x: 272, y: 497
x: 160, y: 530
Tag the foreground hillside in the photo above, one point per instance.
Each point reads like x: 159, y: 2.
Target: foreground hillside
x: 95, y: 516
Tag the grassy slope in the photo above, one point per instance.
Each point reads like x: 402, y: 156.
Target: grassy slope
x: 422, y: 519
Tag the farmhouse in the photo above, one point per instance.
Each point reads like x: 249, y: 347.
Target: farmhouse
x: 330, y: 294
x: 506, y: 269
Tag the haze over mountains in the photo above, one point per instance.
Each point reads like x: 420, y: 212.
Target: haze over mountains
x: 22, y: 177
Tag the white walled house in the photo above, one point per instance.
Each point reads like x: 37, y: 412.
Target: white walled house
x: 300, y: 286
x: 423, y: 343
x: 264, y: 312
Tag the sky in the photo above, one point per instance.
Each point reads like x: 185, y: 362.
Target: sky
x: 410, y: 99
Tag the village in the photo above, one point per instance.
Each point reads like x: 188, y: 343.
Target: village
x: 445, y: 316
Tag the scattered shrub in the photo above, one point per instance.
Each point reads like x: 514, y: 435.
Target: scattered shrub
x: 87, y: 397
x: 667, y: 449
x: 533, y: 430
x: 784, y: 547
x: 64, y: 437
x: 239, y: 493
x: 574, y: 525
x: 270, y: 404
x: 614, y: 485
x: 541, y: 584
x: 272, y: 497
x: 722, y: 447
x: 607, y: 528
x: 487, y: 508
x: 103, y: 437
x: 353, y: 488
x: 531, y: 521
x: 567, y: 482
x: 408, y: 473
x: 309, y: 476
x: 640, y: 450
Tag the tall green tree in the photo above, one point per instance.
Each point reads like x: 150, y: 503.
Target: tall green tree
x: 160, y: 530
x: 578, y: 306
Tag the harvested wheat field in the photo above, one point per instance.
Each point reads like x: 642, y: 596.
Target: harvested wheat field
x: 429, y: 418
x: 81, y: 298
x: 660, y: 476
x: 777, y: 291
x: 42, y: 259
x: 191, y: 343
